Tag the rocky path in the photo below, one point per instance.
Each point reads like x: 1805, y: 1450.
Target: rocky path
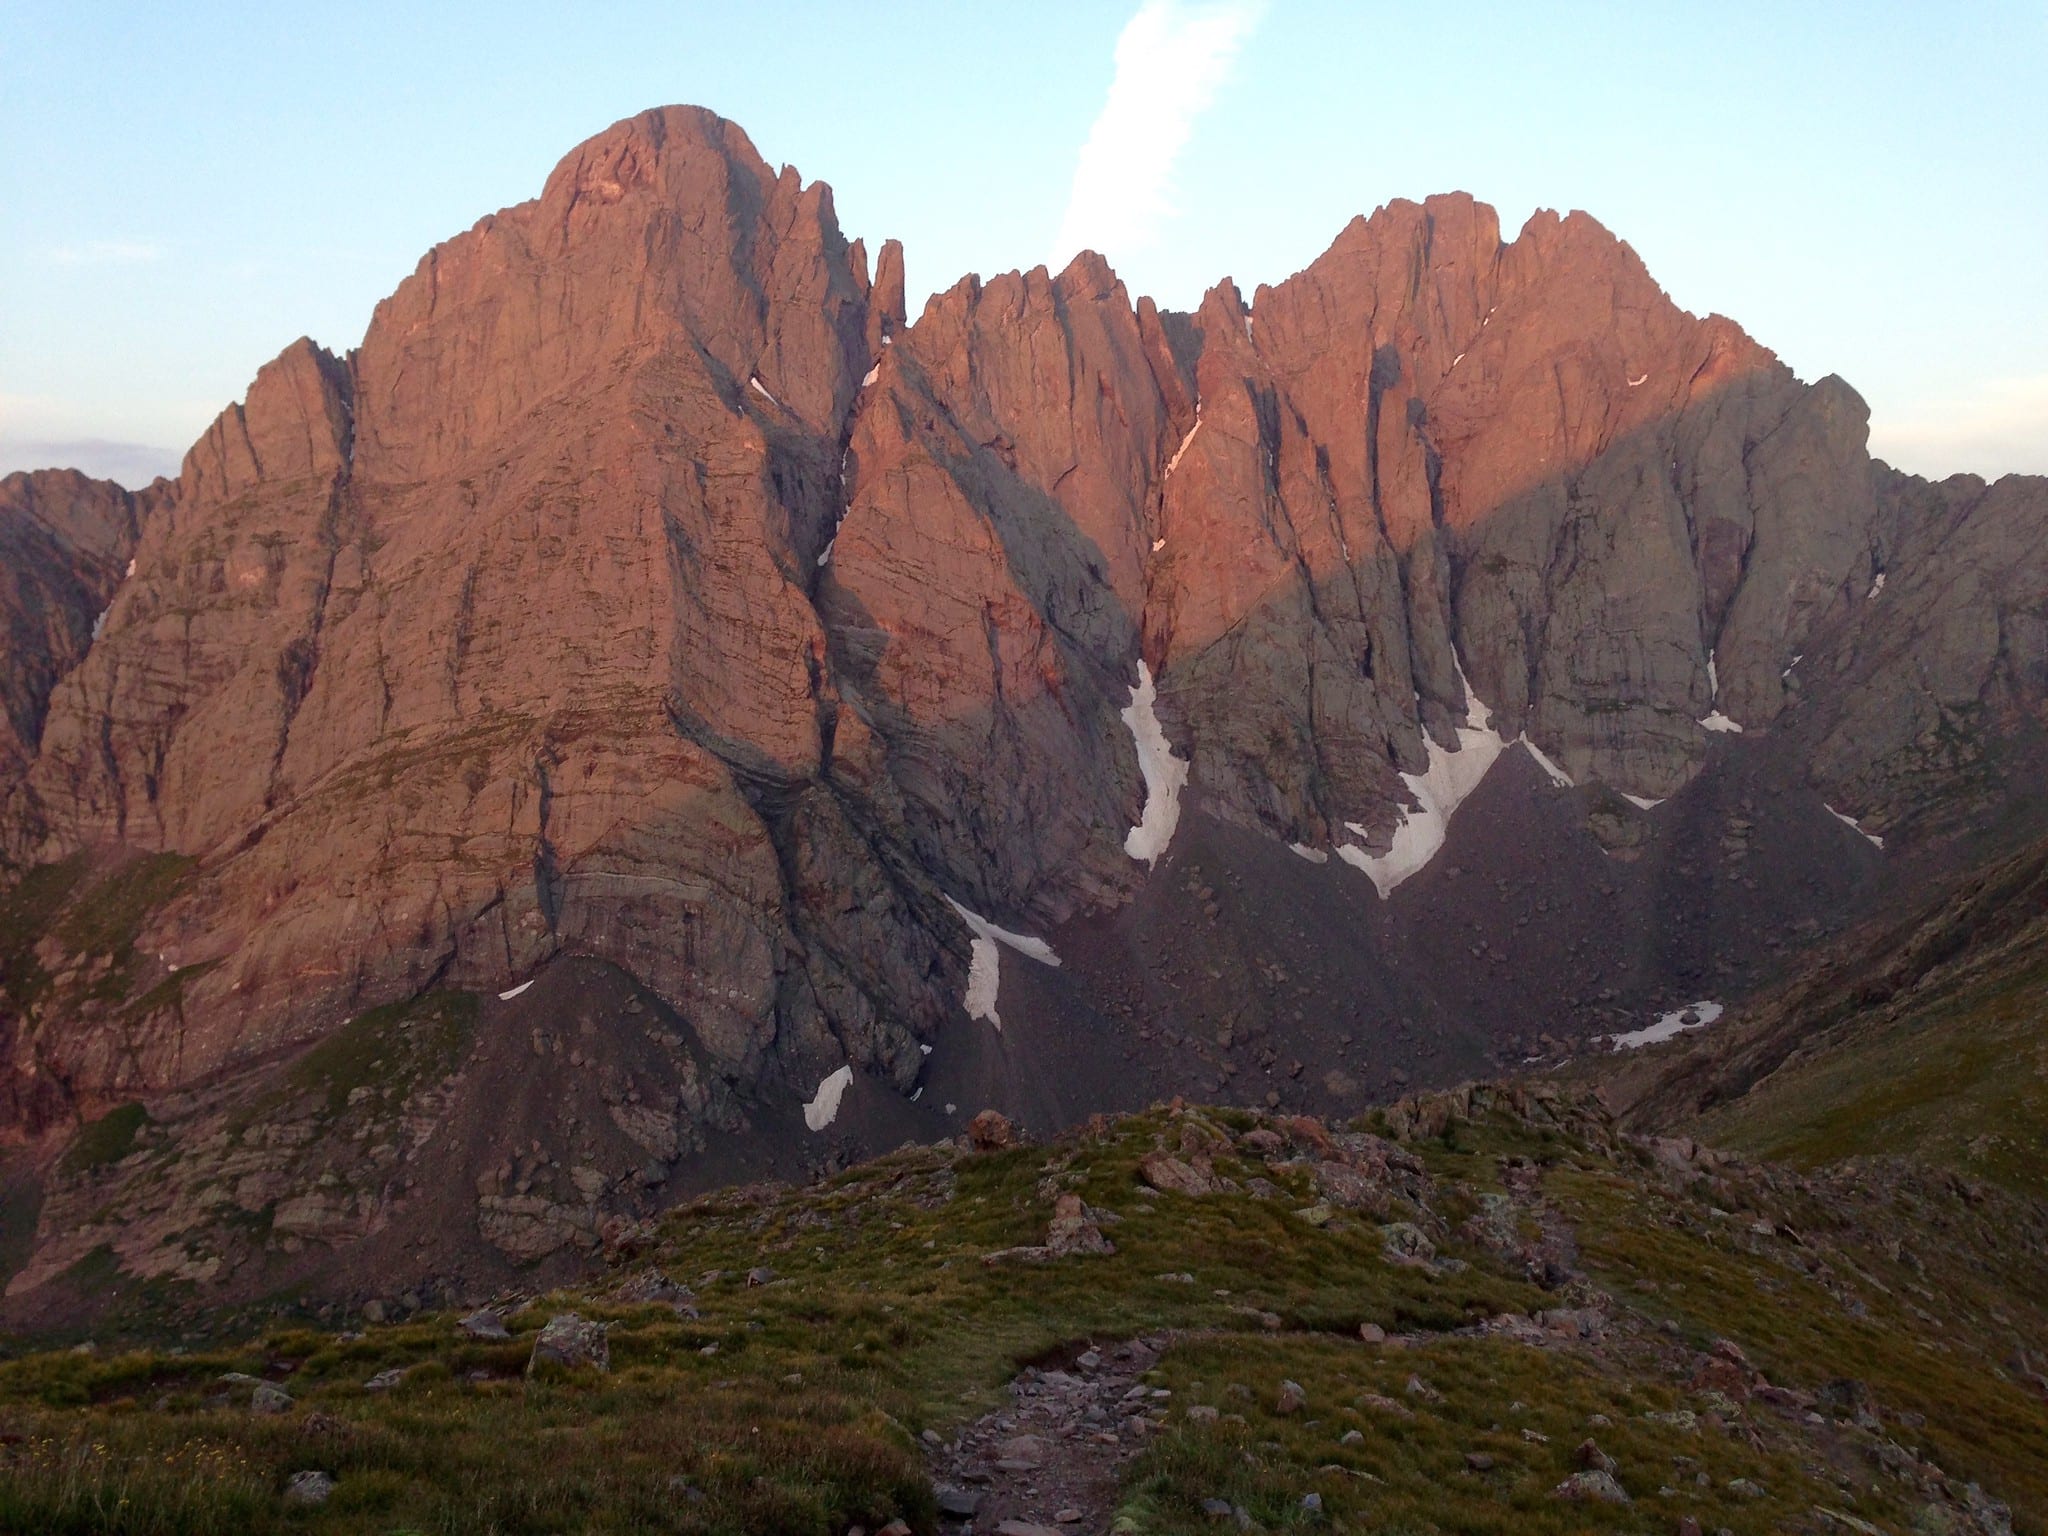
x: 1050, y: 1461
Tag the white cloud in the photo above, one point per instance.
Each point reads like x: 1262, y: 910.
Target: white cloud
x: 104, y: 253
x: 1171, y: 58
x: 1999, y: 428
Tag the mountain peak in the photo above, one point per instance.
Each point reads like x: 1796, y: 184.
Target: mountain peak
x: 647, y: 616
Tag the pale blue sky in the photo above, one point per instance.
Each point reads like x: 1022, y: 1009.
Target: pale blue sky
x: 1865, y: 187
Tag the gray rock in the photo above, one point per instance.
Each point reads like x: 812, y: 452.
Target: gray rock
x: 269, y: 1399
x: 1402, y: 1242
x: 1591, y: 1487
x: 572, y: 1343
x: 958, y: 1503
x: 486, y: 1325
x: 1021, y: 1453
x: 308, y: 1490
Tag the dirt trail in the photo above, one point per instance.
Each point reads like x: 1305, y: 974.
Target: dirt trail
x: 1052, y: 1460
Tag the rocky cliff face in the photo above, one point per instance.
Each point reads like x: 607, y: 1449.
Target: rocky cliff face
x: 65, y: 543
x: 646, y: 589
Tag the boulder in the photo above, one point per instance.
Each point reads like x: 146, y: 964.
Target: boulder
x: 572, y: 1343
x: 308, y: 1490
x: 990, y: 1131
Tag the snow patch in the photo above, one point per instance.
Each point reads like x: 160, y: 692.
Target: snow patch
x: 1669, y: 1026
x: 762, y: 390
x: 871, y: 375
x: 1438, y: 790
x: 1556, y: 774
x: 1158, y: 545
x: 131, y: 567
x: 1164, y: 774
x: 1855, y: 826
x: 1876, y: 586
x: 1639, y: 802
x: 1720, y: 722
x: 984, y: 970
x: 1644, y: 379
x: 825, y: 554
x: 824, y: 1106
x: 1456, y: 360
x: 1313, y: 855
x: 99, y: 624
x: 506, y: 997
x: 1174, y: 463
x: 1713, y: 678
x: 1791, y: 664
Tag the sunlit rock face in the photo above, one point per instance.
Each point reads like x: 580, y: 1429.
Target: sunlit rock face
x: 648, y: 588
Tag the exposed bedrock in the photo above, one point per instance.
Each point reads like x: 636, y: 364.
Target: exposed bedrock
x: 645, y: 587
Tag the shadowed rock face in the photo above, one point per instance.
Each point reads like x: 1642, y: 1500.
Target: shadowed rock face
x: 65, y: 543
x: 645, y: 588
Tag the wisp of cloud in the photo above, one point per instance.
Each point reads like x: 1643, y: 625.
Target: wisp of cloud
x: 1170, y: 59
x: 94, y: 253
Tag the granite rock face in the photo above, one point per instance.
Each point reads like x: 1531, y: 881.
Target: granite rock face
x: 65, y: 544
x: 647, y: 588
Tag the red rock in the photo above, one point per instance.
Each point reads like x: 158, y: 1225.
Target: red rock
x: 512, y: 634
x: 991, y: 1132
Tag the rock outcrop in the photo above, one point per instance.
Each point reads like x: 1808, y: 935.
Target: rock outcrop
x: 646, y: 588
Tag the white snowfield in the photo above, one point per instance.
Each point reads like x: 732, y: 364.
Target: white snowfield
x: 825, y: 554
x: 1556, y: 774
x: 1876, y: 586
x: 1164, y: 773
x: 1438, y: 790
x: 1640, y: 802
x: 1313, y: 855
x: 1669, y: 1026
x: 824, y: 1106
x: 1855, y: 826
x: 1720, y: 722
x: 871, y: 375
x: 506, y: 997
x: 1713, y: 677
x: 762, y: 390
x: 1174, y: 463
x: 984, y: 970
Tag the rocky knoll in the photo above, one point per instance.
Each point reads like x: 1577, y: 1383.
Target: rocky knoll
x: 645, y: 588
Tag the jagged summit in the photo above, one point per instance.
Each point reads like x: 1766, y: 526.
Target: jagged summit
x: 646, y: 611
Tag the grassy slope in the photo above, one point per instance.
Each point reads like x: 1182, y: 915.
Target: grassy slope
x: 795, y: 1405
x: 1958, y: 1079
